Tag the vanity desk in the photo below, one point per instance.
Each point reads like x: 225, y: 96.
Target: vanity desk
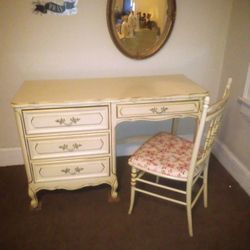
x: 67, y: 128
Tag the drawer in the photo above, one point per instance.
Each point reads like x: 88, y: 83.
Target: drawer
x: 78, y: 145
x: 59, y: 171
x: 65, y: 120
x: 156, y: 109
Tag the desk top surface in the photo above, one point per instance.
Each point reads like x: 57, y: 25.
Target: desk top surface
x: 106, y: 89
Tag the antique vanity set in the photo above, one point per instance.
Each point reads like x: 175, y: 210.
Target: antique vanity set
x: 68, y: 127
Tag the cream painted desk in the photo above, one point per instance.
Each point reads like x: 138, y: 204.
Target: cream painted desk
x: 67, y: 127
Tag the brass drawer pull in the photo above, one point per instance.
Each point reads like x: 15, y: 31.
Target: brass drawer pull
x: 73, y: 120
x: 76, y: 171
x: 75, y: 147
x: 157, y: 112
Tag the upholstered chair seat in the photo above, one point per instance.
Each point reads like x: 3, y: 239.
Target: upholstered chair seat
x: 166, y: 155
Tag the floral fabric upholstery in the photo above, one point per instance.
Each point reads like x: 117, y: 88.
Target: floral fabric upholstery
x: 165, y: 155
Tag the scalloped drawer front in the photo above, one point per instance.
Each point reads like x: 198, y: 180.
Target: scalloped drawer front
x: 156, y: 109
x: 80, y: 145
x: 66, y: 120
x: 62, y: 171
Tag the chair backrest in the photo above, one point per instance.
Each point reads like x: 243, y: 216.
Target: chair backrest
x: 207, y: 130
x: 213, y: 122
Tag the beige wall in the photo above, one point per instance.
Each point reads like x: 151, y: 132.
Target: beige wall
x: 236, y: 130
x: 50, y: 47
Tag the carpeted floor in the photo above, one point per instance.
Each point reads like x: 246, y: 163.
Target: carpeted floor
x: 85, y: 219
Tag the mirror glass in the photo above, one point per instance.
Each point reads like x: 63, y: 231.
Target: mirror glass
x: 139, y: 28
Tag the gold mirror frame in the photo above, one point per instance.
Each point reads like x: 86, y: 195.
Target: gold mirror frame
x: 146, y: 52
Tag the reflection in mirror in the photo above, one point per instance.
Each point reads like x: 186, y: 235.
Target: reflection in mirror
x: 140, y: 28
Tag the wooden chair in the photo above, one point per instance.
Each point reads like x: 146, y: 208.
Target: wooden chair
x: 169, y: 156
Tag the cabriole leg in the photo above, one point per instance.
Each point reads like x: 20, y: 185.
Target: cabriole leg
x: 114, y: 187
x: 34, y: 200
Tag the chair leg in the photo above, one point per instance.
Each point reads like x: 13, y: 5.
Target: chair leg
x: 189, y: 218
x: 205, y: 177
x: 132, y: 193
x: 189, y: 211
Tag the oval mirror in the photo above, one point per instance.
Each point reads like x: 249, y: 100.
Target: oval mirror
x: 139, y: 28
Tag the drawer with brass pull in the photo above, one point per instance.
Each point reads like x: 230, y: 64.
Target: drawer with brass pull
x: 67, y: 146
x: 65, y: 120
x: 155, y: 109
x: 68, y: 170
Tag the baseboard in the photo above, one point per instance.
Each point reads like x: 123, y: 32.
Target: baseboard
x: 10, y: 157
x: 233, y: 165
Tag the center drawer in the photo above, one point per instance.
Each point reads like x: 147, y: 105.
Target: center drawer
x: 80, y: 145
x: 156, y: 109
x: 66, y: 120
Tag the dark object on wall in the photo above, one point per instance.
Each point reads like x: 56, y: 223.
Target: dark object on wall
x: 67, y: 7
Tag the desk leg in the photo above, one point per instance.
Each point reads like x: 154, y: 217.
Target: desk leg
x: 113, y: 197
x: 114, y: 185
x: 34, y: 201
x: 114, y: 193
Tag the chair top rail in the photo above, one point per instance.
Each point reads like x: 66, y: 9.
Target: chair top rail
x: 218, y: 107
